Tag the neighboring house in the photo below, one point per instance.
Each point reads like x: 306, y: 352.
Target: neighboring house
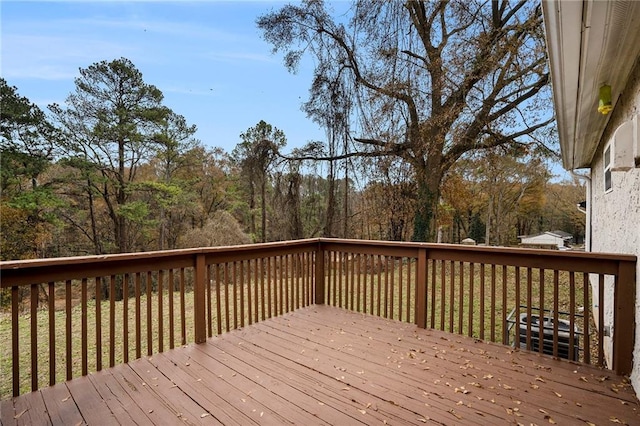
x: 550, y: 239
x: 594, y: 48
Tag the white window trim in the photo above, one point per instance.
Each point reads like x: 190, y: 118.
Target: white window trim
x: 607, y: 167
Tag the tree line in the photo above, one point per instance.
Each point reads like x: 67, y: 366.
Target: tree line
x: 436, y: 129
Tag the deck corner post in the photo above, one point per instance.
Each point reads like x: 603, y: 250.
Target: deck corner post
x: 421, y: 290
x: 319, y: 275
x: 624, y: 320
x: 199, y: 296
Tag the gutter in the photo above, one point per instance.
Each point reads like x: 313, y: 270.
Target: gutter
x: 587, y: 231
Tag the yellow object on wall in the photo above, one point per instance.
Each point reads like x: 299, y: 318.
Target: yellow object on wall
x: 604, y: 103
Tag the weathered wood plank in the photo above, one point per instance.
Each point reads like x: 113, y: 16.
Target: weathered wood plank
x: 326, y: 365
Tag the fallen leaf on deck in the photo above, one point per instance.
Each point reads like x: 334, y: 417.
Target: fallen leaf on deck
x: 17, y: 416
x: 420, y: 419
x: 203, y: 415
x: 363, y: 411
x: 66, y: 399
x: 458, y: 416
x: 614, y: 419
x: 506, y: 387
x: 558, y: 395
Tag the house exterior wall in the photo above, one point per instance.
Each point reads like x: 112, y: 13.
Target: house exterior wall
x: 616, y: 215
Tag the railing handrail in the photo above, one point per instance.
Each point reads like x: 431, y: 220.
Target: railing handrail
x: 26, y: 272
x: 19, y: 273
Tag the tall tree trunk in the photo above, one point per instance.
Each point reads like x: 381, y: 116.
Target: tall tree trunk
x: 427, y: 186
x: 263, y: 208
x: 330, y: 211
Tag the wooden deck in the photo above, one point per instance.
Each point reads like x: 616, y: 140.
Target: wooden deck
x: 325, y: 365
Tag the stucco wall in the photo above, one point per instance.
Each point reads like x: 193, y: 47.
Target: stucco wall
x: 616, y: 215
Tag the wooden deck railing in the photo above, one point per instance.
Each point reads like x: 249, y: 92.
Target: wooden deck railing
x: 76, y: 315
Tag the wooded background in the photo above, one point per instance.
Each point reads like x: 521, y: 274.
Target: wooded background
x: 439, y: 126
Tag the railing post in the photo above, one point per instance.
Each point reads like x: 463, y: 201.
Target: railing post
x: 319, y: 275
x: 421, y: 290
x: 199, y: 295
x: 624, y: 321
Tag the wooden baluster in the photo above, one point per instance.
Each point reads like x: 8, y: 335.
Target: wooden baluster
x: 68, y: 329
x: 98, y: 294
x: 183, y: 321
x: 171, y: 319
x: 493, y: 303
x: 160, y: 312
x: 461, y: 298
x: 232, y: 278
x: 572, y: 314
x: 138, y: 317
x: 443, y: 291
x: 517, y: 306
x: 125, y: 318
x: 434, y: 264
x: 15, y: 348
x: 51, y: 308
x: 529, y: 312
x: 84, y: 328
x: 452, y: 292
x: 208, y: 283
x: 482, y: 304
x: 586, y: 318
x: 555, y: 311
x: 601, y: 324
x: 400, y: 284
x: 148, y: 285
x: 471, y: 300
x: 505, y: 308
x: 242, y: 290
x: 34, y: 336
x: 541, y: 329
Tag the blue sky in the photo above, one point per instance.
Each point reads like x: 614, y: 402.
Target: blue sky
x: 207, y: 57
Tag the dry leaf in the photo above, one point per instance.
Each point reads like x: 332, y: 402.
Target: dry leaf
x: 203, y: 415
x: 363, y: 411
x: 614, y: 419
x: 420, y: 419
x: 558, y: 395
x: 506, y: 387
x: 66, y: 399
x: 458, y: 416
x: 17, y: 416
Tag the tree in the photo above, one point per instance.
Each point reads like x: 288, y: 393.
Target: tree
x: 434, y: 80
x: 111, y: 123
x: 254, y: 155
x: 28, y: 201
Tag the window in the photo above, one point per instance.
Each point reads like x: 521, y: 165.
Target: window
x: 607, y: 170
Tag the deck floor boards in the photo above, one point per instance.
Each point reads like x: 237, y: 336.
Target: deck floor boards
x: 325, y: 365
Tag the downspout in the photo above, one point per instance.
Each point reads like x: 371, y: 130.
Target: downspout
x: 587, y: 231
